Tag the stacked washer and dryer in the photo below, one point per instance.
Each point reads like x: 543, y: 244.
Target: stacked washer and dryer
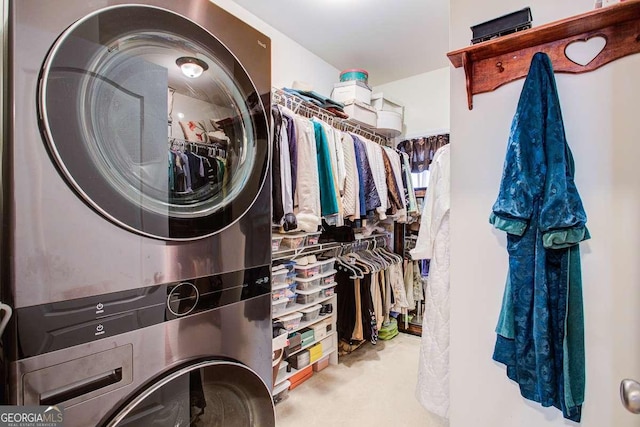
x: 135, y: 256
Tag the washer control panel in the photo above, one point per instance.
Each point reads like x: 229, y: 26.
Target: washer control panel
x: 59, y: 325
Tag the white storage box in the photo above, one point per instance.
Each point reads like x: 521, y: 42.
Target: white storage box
x: 389, y: 123
x: 351, y: 90
x: 380, y: 103
x: 280, y: 342
x: 327, y: 345
x: 321, y: 329
x: 361, y: 113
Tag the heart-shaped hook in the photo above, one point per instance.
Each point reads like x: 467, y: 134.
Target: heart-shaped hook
x: 582, y: 52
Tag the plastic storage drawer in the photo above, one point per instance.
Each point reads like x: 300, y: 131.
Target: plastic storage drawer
x: 293, y: 241
x: 291, y: 321
x: 311, y: 313
x: 279, y: 277
x: 279, y: 306
x: 328, y: 277
x: 292, y: 299
x: 279, y: 291
x: 306, y: 284
x: 307, y: 271
x: 313, y: 238
x: 327, y: 265
x: 276, y: 241
x: 307, y: 297
x: 327, y: 290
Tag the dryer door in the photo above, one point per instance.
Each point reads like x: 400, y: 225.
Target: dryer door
x: 210, y: 393
x: 154, y: 122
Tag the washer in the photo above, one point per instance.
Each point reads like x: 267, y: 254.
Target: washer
x: 136, y: 213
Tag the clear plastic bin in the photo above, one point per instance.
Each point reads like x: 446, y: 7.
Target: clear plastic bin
x: 313, y: 238
x: 328, y: 277
x: 293, y: 241
x: 279, y: 277
x: 326, y: 265
x: 327, y: 290
x: 311, y: 313
x: 308, y: 297
x: 276, y: 241
x: 279, y: 306
x: 291, y: 299
x: 279, y: 291
x: 309, y: 270
x: 306, y: 284
x: 291, y: 321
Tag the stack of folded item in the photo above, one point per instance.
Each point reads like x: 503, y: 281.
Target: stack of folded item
x: 318, y: 100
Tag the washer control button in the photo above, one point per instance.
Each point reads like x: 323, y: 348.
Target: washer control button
x: 183, y: 299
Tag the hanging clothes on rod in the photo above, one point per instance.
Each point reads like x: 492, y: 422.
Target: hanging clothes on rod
x: 335, y: 175
x: 369, y: 288
x: 195, y: 169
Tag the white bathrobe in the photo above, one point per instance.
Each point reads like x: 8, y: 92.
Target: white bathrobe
x: 433, y: 243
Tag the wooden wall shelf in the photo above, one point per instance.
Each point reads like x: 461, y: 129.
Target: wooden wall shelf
x: 490, y: 64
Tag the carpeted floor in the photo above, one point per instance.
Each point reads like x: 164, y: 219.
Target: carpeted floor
x: 373, y: 386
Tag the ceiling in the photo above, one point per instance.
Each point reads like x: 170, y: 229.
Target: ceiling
x: 392, y: 40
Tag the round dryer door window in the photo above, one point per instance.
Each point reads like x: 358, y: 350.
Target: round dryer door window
x: 154, y: 122
x: 207, y: 394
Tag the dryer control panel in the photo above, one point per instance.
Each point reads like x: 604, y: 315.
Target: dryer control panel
x: 48, y: 327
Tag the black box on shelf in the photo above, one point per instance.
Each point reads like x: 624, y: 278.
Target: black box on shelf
x: 507, y: 24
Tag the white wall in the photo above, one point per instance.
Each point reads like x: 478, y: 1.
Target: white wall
x: 600, y: 116
x: 289, y: 60
x: 426, y: 101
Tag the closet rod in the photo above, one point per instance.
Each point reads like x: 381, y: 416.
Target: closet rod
x: 173, y: 140
x: 309, y: 110
x: 183, y: 143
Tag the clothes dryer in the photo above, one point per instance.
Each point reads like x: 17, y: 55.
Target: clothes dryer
x: 136, y: 206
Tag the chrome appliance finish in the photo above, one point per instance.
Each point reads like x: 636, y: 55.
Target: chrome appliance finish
x: 64, y: 243
x: 61, y: 248
x: 149, y: 354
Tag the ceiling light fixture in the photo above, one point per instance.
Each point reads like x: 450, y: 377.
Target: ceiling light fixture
x: 192, y: 67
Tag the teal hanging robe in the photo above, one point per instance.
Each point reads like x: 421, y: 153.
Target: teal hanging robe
x: 541, y: 325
